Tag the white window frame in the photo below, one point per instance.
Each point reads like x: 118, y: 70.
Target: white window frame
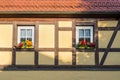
x: 26, y: 27
x: 84, y: 27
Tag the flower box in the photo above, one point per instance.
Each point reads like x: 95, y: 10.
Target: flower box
x: 86, y: 45
x: 24, y: 45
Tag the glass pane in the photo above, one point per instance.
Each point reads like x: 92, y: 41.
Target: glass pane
x: 29, y: 32
x: 87, y: 32
x: 22, y: 39
x: 87, y: 39
x: 80, y: 39
x: 23, y: 33
x: 81, y: 32
x: 30, y: 39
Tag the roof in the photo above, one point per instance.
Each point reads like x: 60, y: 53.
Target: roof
x: 59, y: 6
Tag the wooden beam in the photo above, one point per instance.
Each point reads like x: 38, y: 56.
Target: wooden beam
x: 56, y: 43
x: 73, y: 42
x: 46, y: 49
x: 110, y: 43
x: 25, y: 49
x: 14, y: 44
x: 65, y: 29
x: 13, y: 57
x: 5, y: 49
x: 36, y: 54
x: 84, y: 23
x: 106, y: 28
x: 65, y: 49
x: 97, y: 44
x: 36, y: 58
x: 111, y: 49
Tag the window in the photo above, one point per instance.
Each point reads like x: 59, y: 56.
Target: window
x: 26, y: 35
x: 84, y: 33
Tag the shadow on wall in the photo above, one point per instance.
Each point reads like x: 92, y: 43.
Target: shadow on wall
x: 45, y: 58
x: 65, y: 58
x: 5, y: 59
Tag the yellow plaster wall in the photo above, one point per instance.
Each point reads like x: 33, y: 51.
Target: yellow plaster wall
x: 65, y: 58
x: 104, y: 38
x: 46, y: 58
x: 5, y: 58
x: 85, y: 58
x: 46, y: 36
x: 65, y: 39
x: 107, y: 23
x: 65, y: 23
x: 6, y: 32
x: 25, y: 58
x: 116, y: 42
x: 113, y: 58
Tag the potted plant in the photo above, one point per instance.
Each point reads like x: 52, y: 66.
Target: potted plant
x: 25, y: 44
x: 85, y: 45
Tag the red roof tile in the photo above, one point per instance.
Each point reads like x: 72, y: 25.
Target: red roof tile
x: 59, y: 5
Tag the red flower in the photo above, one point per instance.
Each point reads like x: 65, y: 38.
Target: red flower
x: 20, y: 45
x: 91, y: 44
x: 83, y: 42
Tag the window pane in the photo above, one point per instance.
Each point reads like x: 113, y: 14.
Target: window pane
x: 23, y: 33
x: 30, y: 39
x: 81, y: 32
x: 87, y: 32
x: 80, y: 39
x: 87, y: 39
x: 22, y: 39
x: 29, y: 32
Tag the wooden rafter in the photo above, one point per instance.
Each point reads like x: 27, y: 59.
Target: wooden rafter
x: 110, y: 43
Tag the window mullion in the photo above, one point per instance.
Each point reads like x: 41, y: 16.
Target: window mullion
x: 26, y: 34
x: 84, y: 35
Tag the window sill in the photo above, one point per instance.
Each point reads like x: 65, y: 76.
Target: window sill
x: 24, y: 49
x: 85, y: 50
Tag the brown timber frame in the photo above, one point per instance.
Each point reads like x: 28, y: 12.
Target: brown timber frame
x: 57, y: 49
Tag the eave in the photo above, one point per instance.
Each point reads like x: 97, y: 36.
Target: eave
x: 60, y: 14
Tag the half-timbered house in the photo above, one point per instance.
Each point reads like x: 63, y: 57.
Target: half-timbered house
x: 60, y: 33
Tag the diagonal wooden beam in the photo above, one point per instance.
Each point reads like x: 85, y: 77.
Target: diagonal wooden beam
x: 110, y: 43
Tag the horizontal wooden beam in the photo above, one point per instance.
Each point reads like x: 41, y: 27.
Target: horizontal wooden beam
x: 60, y: 15
x: 84, y: 23
x: 62, y: 67
x: 65, y: 29
x: 85, y: 50
x: 111, y: 49
x: 46, y: 49
x: 6, y: 49
x: 65, y: 49
x: 106, y: 28
x: 25, y: 49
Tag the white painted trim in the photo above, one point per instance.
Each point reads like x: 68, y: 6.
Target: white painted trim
x: 26, y: 27
x: 84, y: 27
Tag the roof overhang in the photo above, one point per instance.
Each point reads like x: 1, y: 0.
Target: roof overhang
x: 59, y: 14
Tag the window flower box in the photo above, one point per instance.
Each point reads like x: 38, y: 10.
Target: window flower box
x: 24, y: 44
x: 85, y: 45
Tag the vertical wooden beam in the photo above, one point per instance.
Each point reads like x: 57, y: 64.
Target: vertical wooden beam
x: 36, y: 44
x: 36, y: 58
x: 13, y: 57
x: 56, y: 43
x: 73, y: 43
x: 14, y: 43
x: 97, y: 43
x: 110, y: 43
